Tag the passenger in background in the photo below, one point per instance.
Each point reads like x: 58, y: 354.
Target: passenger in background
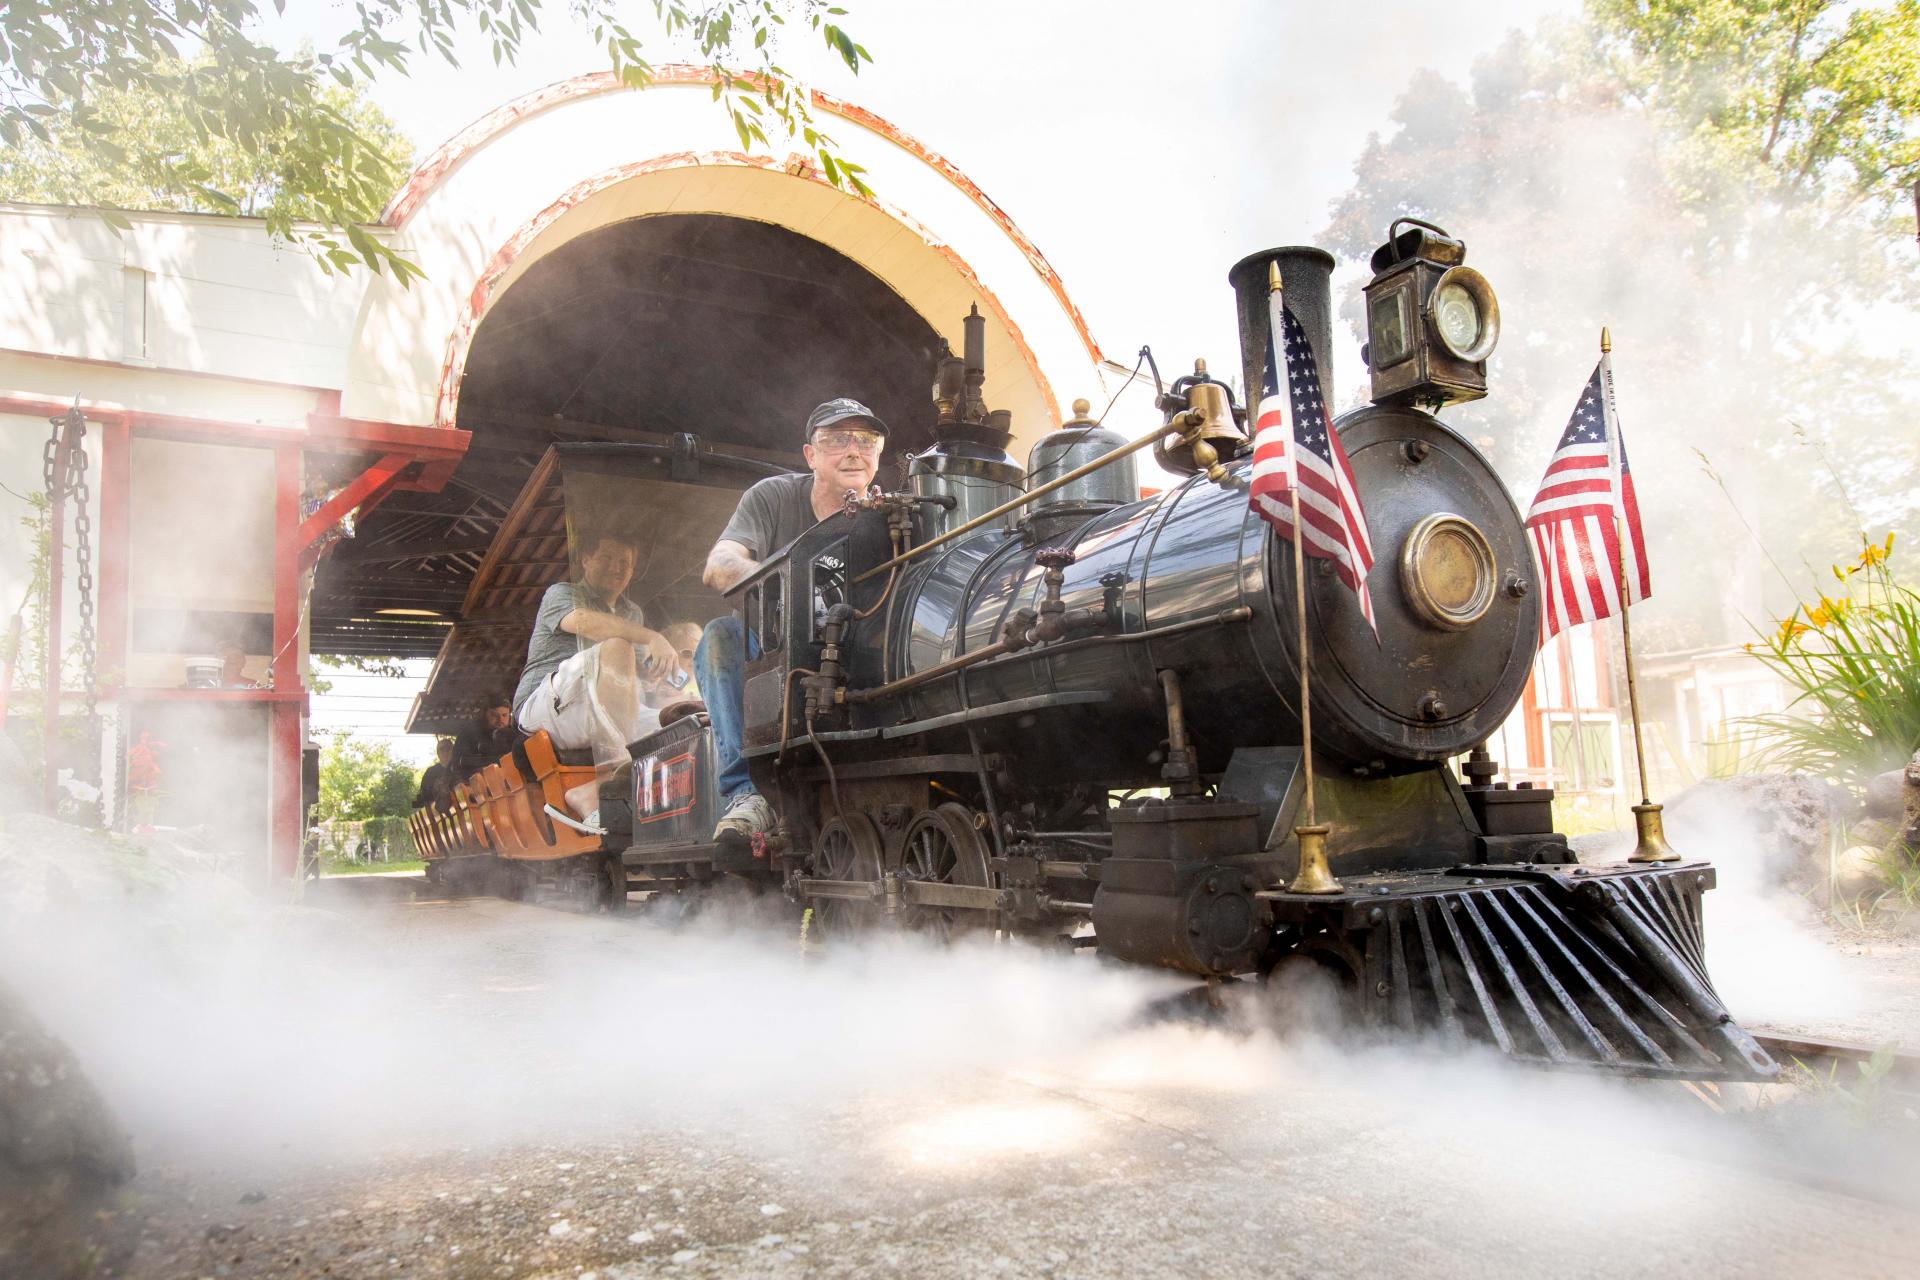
x: 585, y: 661
x: 476, y: 748
x: 844, y: 440
x: 233, y: 662
x: 436, y: 784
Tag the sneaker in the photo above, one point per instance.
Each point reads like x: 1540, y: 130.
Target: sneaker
x: 747, y: 815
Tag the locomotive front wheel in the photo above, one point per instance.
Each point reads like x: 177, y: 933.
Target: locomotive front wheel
x: 943, y: 846
x: 849, y: 848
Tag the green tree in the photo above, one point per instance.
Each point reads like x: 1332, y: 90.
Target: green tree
x: 362, y: 780
x: 1724, y: 182
x: 155, y: 157
x: 275, y: 109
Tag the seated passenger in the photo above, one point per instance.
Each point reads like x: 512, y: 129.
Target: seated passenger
x: 490, y: 738
x: 582, y: 682
x: 436, y: 784
x: 843, y: 444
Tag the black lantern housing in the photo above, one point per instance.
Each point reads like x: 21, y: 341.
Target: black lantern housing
x: 1431, y: 320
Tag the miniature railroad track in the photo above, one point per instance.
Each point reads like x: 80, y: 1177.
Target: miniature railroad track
x: 1822, y: 1053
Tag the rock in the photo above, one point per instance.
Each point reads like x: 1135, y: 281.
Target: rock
x: 1886, y: 795
x: 1857, y: 872
x: 1876, y: 832
x: 61, y: 1151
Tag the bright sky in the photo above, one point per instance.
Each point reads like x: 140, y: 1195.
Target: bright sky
x: 1145, y: 147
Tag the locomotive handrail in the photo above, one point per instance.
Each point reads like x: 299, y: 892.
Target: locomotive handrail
x: 1112, y: 455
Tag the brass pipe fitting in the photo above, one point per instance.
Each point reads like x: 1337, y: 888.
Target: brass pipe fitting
x: 1653, y: 845
x: 1314, y: 876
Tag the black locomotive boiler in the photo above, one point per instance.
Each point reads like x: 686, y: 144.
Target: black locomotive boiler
x: 998, y: 702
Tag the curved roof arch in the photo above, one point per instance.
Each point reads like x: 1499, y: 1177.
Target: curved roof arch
x: 579, y: 155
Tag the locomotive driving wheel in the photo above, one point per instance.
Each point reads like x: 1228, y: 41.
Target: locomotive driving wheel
x: 944, y: 847
x: 849, y: 849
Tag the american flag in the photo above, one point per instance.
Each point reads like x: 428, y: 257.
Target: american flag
x: 1294, y: 429
x: 1576, y: 517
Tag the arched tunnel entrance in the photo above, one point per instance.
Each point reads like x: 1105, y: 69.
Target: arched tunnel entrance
x: 724, y: 328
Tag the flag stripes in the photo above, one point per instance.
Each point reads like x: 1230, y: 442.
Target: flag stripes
x: 1294, y: 443
x: 1586, y: 497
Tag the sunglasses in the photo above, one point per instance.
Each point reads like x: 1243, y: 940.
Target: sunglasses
x: 839, y: 441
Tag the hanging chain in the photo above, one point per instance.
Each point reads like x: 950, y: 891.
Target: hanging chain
x: 70, y: 481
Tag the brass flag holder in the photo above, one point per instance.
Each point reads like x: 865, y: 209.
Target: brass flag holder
x: 1652, y: 845
x: 1314, y: 875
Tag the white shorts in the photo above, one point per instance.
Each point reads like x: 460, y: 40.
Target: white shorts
x: 591, y: 700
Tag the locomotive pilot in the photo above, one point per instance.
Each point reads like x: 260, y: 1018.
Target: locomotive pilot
x: 844, y: 440
x: 585, y: 662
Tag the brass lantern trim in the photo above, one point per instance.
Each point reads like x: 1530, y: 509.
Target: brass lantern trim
x: 1486, y: 308
x: 1448, y: 572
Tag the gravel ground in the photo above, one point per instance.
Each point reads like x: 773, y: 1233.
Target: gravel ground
x: 383, y: 1083
x: 1120, y: 1147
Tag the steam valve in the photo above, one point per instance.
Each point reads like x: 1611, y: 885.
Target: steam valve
x: 1052, y: 624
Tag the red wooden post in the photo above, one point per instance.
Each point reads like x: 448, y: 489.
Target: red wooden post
x: 285, y: 741
x: 116, y: 536
x: 110, y: 662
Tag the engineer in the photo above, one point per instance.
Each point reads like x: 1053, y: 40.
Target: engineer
x: 844, y: 440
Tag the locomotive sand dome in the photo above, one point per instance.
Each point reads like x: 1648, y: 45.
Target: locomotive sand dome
x: 975, y: 709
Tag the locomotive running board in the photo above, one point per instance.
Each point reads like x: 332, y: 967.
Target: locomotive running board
x: 1602, y: 968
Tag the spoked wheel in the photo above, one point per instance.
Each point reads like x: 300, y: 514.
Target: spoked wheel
x: 944, y: 847
x: 849, y: 849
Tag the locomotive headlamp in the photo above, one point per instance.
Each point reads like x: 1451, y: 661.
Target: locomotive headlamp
x: 1431, y: 322
x: 1465, y: 314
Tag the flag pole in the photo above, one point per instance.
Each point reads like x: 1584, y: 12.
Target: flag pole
x: 1314, y: 875
x: 1652, y: 845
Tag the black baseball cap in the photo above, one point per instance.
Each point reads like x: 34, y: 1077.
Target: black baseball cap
x: 840, y: 410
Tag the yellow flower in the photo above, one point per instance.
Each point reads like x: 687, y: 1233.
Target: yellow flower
x: 1872, y: 557
x: 1789, y: 629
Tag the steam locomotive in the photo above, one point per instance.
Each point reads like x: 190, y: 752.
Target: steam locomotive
x: 1029, y: 701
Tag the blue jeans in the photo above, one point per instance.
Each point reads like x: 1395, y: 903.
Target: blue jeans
x: 720, y: 665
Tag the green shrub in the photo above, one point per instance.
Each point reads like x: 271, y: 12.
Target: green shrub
x: 1854, y: 661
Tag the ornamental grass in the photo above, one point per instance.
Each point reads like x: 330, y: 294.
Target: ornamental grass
x: 1853, y: 659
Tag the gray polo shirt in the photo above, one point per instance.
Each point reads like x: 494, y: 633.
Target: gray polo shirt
x: 549, y: 646
x: 772, y: 513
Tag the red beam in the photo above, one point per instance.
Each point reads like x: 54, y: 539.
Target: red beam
x: 116, y: 528
x: 366, y: 488
x: 332, y: 431
x: 333, y: 434
x: 283, y: 783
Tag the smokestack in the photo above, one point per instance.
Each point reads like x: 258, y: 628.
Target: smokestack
x: 1306, y: 277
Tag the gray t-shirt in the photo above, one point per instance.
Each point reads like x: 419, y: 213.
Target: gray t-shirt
x: 772, y: 513
x: 549, y: 646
